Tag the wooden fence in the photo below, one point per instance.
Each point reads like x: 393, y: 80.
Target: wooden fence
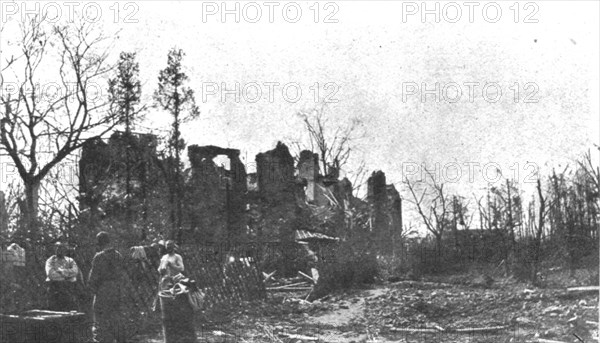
x: 230, y: 283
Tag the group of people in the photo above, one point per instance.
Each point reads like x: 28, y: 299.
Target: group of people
x: 105, y: 281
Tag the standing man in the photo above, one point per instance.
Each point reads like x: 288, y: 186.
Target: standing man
x: 61, y: 275
x: 171, y: 263
x: 105, y: 281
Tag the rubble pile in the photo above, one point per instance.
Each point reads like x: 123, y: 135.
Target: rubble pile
x: 507, y: 309
x: 299, y: 287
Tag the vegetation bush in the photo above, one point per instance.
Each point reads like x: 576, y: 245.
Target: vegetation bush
x: 354, y: 264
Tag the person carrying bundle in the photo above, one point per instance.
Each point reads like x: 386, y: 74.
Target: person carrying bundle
x: 171, y: 264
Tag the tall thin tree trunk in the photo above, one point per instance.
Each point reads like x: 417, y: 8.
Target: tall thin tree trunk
x: 128, y: 195
x: 455, y: 222
x: 30, y: 222
x: 539, y: 233
x: 172, y: 212
x: 511, y: 230
x: 177, y: 179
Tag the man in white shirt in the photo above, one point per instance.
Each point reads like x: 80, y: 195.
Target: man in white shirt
x: 61, y: 274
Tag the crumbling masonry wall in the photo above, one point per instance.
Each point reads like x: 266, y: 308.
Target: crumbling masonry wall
x: 377, y: 197
x: 107, y: 171
x: 308, y: 169
x: 275, y: 172
x: 217, y: 200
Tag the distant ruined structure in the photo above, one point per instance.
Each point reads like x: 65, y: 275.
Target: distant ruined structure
x: 222, y: 201
x: 218, y: 194
x: 275, y: 174
x: 385, y: 206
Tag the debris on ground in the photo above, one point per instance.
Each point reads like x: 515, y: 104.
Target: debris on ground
x: 414, y: 311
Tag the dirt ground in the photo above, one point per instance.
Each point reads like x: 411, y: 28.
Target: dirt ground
x: 441, y: 310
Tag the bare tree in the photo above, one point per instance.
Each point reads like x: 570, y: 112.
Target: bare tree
x: 575, y: 214
x: 539, y: 230
x: 460, y: 217
x: 593, y: 175
x: 40, y: 130
x: 432, y: 205
x: 483, y: 217
x: 359, y: 177
x: 332, y: 142
x: 505, y: 207
x: 58, y: 207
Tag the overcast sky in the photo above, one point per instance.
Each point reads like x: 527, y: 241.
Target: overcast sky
x: 371, y: 54
x: 367, y: 55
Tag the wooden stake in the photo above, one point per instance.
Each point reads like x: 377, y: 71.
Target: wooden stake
x: 306, y: 276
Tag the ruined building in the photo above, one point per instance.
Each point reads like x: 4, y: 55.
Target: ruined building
x: 118, y: 180
x: 394, y: 210
x: 221, y: 201
x: 327, y: 196
x: 217, y: 199
x: 275, y: 210
x: 385, y: 211
x: 308, y: 170
x: 275, y: 174
x: 377, y: 198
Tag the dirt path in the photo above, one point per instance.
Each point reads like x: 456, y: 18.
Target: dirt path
x: 385, y: 314
x: 346, y: 311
